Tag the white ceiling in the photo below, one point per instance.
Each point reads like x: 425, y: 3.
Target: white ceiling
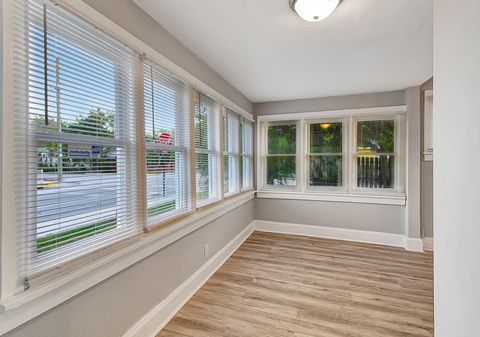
x: 268, y: 53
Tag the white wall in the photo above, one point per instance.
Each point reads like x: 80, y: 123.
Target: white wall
x: 132, y: 18
x: 456, y: 167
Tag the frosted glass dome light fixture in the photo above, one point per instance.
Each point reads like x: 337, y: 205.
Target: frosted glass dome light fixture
x: 314, y: 10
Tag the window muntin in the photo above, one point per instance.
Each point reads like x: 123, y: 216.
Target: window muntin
x: 167, y: 141
x: 207, y: 149
x: 231, y: 152
x: 281, y: 154
x: 80, y: 112
x: 325, y: 153
x: 375, y: 154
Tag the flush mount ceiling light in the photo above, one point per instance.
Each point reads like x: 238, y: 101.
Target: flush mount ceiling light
x: 314, y: 10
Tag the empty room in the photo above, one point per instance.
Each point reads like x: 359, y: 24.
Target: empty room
x: 239, y: 168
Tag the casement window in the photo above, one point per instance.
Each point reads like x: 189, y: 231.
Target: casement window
x: 281, y: 154
x: 81, y: 135
x: 231, y: 152
x: 246, y: 157
x: 347, y: 155
x: 325, y: 154
x: 207, y: 150
x: 167, y: 144
x: 375, y: 154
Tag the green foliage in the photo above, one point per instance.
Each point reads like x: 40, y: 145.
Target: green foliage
x: 326, y: 139
x: 326, y: 171
x: 201, y: 126
x: 282, y: 139
x: 376, y: 136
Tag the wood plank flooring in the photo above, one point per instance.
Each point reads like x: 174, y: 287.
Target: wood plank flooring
x: 282, y: 285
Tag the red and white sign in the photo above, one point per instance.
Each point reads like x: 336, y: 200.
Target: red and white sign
x: 165, y: 139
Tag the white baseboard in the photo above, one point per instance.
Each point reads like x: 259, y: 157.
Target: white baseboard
x: 427, y: 243
x: 151, y: 324
x: 379, y: 238
x: 414, y: 244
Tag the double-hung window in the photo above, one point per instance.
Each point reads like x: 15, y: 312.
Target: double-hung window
x: 246, y: 157
x: 325, y: 154
x: 375, y: 153
x: 167, y: 142
x: 281, y: 154
x: 81, y: 155
x: 231, y: 152
x: 353, y: 155
x: 207, y: 150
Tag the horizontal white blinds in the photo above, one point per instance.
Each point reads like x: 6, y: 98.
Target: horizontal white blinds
x: 81, y: 153
x: 231, y: 152
x: 247, y: 153
x: 167, y: 138
x: 208, y: 149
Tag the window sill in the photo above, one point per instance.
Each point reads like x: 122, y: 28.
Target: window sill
x: 20, y: 308
x: 390, y: 199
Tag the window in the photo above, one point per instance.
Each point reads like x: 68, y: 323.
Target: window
x: 231, y: 153
x: 375, y: 153
x: 80, y: 138
x: 281, y: 158
x: 207, y: 149
x: 351, y: 155
x: 246, y: 158
x: 103, y: 144
x: 325, y: 154
x: 167, y: 128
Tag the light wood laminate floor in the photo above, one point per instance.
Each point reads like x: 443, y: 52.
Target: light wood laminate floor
x: 282, y: 285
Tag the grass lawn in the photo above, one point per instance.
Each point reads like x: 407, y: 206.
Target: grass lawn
x: 161, y: 208
x: 46, y: 243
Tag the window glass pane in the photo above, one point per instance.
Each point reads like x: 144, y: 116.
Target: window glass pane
x: 77, y: 195
x: 376, y: 136
x: 326, y: 171
x: 282, y: 139
x: 375, y: 171
x: 206, y: 171
x: 326, y: 138
x: 166, y: 174
x: 281, y: 170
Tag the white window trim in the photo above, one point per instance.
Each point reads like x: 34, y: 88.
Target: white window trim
x: 18, y: 306
x: 349, y: 192
x: 345, y: 133
x: 262, y: 155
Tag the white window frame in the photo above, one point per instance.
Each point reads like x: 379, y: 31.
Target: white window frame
x: 246, y: 154
x: 348, y: 192
x: 233, y: 138
x: 263, y: 154
x: 398, y: 185
x: 345, y: 132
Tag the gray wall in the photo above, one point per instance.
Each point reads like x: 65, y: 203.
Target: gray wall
x: 456, y: 117
x: 389, y: 98
x: 382, y: 218
x: 369, y: 217
x: 112, y: 307
x: 426, y: 167
x: 133, y: 19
